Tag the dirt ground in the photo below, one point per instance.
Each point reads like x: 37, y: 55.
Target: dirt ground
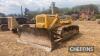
x: 89, y: 36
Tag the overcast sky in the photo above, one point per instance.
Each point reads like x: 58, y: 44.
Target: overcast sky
x: 13, y: 6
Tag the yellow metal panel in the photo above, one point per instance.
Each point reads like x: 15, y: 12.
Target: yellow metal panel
x: 48, y: 21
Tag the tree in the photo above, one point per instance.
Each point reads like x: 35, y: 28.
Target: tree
x: 90, y: 7
x: 2, y: 15
x: 26, y: 11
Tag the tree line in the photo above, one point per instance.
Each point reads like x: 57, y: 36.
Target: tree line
x: 60, y: 11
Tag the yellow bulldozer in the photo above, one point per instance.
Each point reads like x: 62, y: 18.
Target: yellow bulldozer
x: 48, y: 32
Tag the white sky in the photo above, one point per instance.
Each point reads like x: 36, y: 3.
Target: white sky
x: 13, y: 6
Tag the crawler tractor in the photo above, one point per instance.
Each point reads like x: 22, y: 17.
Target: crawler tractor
x: 48, y: 32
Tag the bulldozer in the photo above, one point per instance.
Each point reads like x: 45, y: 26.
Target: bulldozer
x: 48, y: 32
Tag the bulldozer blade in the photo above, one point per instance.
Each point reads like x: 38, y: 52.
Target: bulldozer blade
x: 37, y: 39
